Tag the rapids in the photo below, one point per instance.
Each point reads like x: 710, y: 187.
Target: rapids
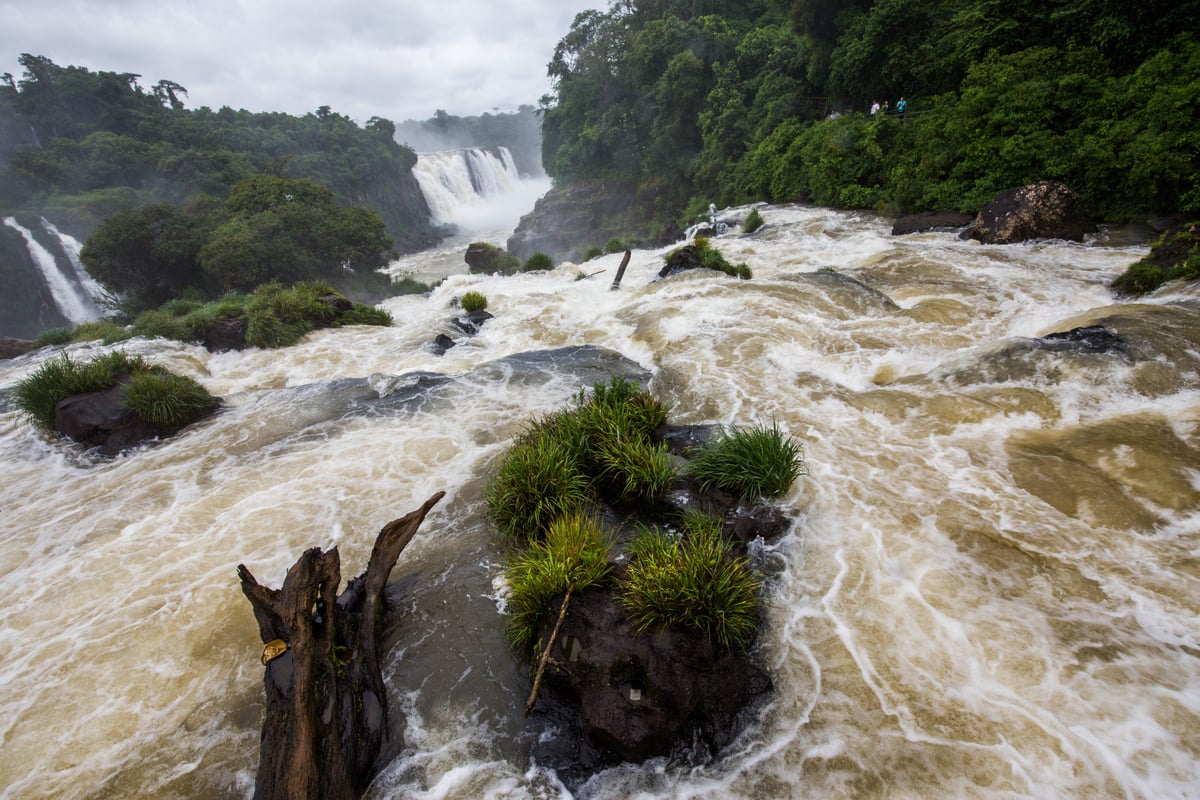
x: 991, y: 589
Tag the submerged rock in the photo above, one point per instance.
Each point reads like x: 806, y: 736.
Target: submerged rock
x: 930, y: 221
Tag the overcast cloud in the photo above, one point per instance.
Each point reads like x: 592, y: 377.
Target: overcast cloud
x: 399, y: 60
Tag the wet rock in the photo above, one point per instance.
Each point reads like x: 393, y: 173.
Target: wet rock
x: 1089, y: 339
x: 568, y: 220
x: 472, y: 322
x: 642, y: 695
x: 487, y: 259
x: 102, y: 420
x: 442, y: 343
x: 930, y: 221
x: 226, y: 334
x: 11, y: 347
x: 1045, y: 210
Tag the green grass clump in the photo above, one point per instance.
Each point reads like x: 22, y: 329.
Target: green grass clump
x: 538, y: 261
x: 167, y: 401
x: 615, y: 245
x: 710, y: 258
x: 60, y: 378
x: 162, y: 323
x: 473, y: 301
x: 754, y: 221
x: 593, y: 252
x: 691, y: 581
x: 363, y: 314
x: 573, y: 554
x: 756, y: 462
x: 101, y: 330
x: 280, y: 317
x: 538, y: 481
x: 53, y: 336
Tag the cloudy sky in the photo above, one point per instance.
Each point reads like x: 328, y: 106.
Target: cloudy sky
x: 397, y: 59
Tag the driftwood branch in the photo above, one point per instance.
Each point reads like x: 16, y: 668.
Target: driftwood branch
x: 326, y: 716
x: 537, y: 678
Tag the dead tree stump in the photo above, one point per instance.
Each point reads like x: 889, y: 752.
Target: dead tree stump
x: 326, y: 719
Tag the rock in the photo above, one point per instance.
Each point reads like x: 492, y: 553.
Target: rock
x: 442, y: 343
x: 226, y: 334
x: 685, y: 258
x: 1045, y: 210
x: 929, y: 221
x: 11, y: 347
x: 488, y: 259
x: 568, y: 220
x: 1089, y: 339
x: 668, y: 234
x: 472, y: 322
x: 101, y: 419
x: 642, y: 695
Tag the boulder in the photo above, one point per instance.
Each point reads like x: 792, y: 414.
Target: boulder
x: 930, y: 221
x: 643, y: 695
x: 102, y: 420
x: 1045, y: 210
x: 685, y: 258
x: 487, y: 259
x: 226, y: 334
x: 472, y: 322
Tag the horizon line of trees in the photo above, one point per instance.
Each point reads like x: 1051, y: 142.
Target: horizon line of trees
x: 699, y: 101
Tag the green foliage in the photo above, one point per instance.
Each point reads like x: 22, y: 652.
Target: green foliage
x: 615, y: 245
x: 757, y: 462
x: 103, y: 330
x: 167, y: 401
x: 473, y: 301
x: 593, y: 252
x: 574, y: 554
x: 53, y: 336
x: 734, y: 104
x: 538, y: 261
x: 537, y: 481
x: 60, y: 378
x: 754, y: 221
x: 363, y: 314
x: 709, y: 257
x: 691, y: 581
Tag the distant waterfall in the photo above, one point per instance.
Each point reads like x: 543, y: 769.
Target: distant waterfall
x: 73, y: 290
x: 475, y: 188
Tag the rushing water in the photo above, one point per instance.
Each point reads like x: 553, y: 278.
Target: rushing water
x: 991, y: 590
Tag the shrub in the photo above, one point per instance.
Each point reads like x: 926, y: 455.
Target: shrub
x: 574, y: 554
x: 538, y: 261
x: 473, y: 301
x: 754, y: 221
x: 615, y: 245
x: 692, y: 580
x: 60, y: 378
x: 167, y: 401
x: 760, y: 461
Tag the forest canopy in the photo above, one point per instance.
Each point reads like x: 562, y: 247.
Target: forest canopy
x: 699, y: 101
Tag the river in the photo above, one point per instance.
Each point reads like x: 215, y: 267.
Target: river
x: 991, y: 588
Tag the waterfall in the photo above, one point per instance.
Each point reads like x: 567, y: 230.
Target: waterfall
x: 72, y: 247
x: 475, y: 188
x: 74, y: 292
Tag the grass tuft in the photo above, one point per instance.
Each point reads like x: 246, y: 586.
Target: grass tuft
x: 60, y: 378
x: 757, y: 462
x: 691, y: 581
x: 167, y: 401
x: 473, y: 301
x: 574, y: 553
x: 754, y: 221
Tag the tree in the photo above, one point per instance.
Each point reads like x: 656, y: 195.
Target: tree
x: 147, y: 255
